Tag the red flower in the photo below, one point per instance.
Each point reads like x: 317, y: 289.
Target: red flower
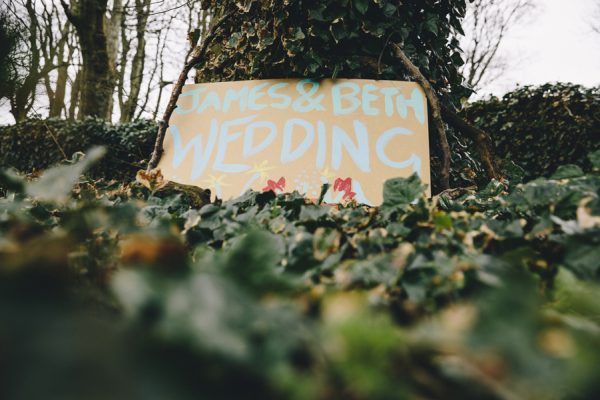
x: 344, y: 185
x: 341, y: 185
x: 349, y: 195
x: 274, y: 186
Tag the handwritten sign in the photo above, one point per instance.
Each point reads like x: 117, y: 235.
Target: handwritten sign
x: 286, y: 135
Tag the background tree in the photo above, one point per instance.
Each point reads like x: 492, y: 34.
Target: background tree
x: 114, y: 22
x: 596, y: 21
x: 88, y: 18
x: 129, y: 104
x: 10, y: 34
x: 148, y: 29
x: 485, y: 27
x: 35, y: 53
x: 125, y: 69
x: 58, y: 46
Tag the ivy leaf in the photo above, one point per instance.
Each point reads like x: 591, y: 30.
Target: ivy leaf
x: 252, y: 261
x: 11, y: 181
x: 361, y: 6
x: 298, y: 34
x: 400, y: 191
x: 595, y: 159
x: 567, y: 172
x: 582, y: 255
x: 244, y: 6
x: 431, y: 24
x: 389, y: 9
x: 457, y: 59
x: 338, y: 31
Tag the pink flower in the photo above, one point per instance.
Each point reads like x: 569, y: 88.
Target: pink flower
x: 344, y: 185
x: 341, y: 185
x: 274, y: 186
x: 349, y: 195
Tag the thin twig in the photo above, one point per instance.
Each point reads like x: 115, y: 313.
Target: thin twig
x: 482, y: 140
x: 55, y: 141
x: 51, y: 133
x: 196, y: 56
x: 436, y: 113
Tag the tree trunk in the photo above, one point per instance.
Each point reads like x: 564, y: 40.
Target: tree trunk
x: 23, y: 94
x: 17, y: 109
x: 97, y: 82
x: 57, y: 97
x: 125, y: 47
x: 113, y: 36
x: 74, y: 101
x: 58, y: 102
x: 137, y: 66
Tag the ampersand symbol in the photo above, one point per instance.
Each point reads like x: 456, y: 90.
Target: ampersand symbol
x: 306, y: 102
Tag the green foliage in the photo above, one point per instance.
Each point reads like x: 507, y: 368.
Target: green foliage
x: 489, y: 295
x: 10, y: 36
x: 38, y: 144
x: 541, y: 128
x: 267, y: 39
x: 337, y: 38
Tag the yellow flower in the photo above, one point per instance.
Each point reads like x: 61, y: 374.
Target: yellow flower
x: 261, y: 169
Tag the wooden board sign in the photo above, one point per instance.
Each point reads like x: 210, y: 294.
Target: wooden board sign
x: 286, y: 135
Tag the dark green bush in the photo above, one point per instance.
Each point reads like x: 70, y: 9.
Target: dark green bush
x: 337, y: 38
x: 490, y: 295
x: 540, y: 128
x: 37, y: 144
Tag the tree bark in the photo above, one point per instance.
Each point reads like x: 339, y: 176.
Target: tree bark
x: 436, y: 113
x: 113, y: 24
x: 482, y: 140
x: 22, y: 93
x: 125, y: 47
x: 97, y: 82
x: 57, y: 103
x: 137, y: 65
x: 74, y: 99
x: 442, y: 114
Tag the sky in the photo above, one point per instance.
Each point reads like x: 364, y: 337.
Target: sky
x: 555, y: 44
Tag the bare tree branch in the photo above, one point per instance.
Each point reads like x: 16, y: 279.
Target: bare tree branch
x: 73, y: 18
x: 482, y: 140
x: 442, y: 115
x: 197, y: 55
x: 37, y: 54
x: 595, y: 25
x: 436, y: 113
x: 137, y: 65
x: 486, y: 25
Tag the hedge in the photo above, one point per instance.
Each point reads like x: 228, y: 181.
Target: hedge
x: 37, y: 144
x: 540, y: 128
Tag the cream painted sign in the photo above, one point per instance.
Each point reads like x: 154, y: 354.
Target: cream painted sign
x: 286, y: 135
